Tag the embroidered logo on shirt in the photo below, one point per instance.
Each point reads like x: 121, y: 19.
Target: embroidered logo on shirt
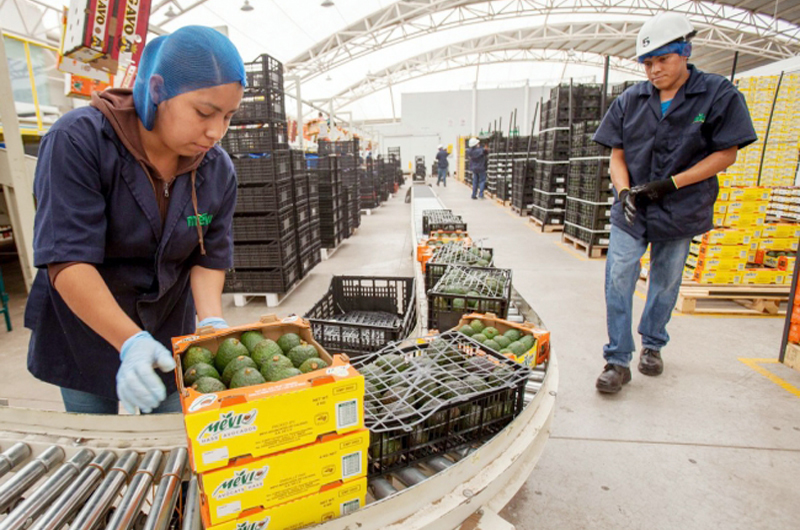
x: 204, y: 219
x: 700, y: 118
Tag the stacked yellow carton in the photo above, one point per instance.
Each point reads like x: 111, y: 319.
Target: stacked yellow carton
x: 719, y: 256
x: 741, y: 207
x: 785, y: 203
x: 780, y: 158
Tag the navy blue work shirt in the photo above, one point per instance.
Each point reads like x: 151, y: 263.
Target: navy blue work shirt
x: 96, y: 205
x: 477, y: 158
x: 441, y: 157
x: 708, y: 114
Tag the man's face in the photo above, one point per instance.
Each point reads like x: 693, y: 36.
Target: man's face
x: 666, y: 71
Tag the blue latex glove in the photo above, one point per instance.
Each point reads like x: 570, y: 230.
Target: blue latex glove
x: 138, y: 385
x: 215, y: 322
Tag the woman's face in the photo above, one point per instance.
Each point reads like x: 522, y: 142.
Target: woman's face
x: 191, y: 123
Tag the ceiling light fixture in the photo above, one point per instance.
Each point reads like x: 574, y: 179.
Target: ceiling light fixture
x: 327, y: 3
x: 170, y: 13
x: 246, y: 6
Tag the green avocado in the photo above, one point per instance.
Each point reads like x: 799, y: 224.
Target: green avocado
x: 272, y: 372
x: 266, y: 349
x: 288, y: 341
x: 301, y: 353
x: 277, y: 360
x: 312, y: 364
x: 387, y: 361
x: 518, y: 347
x: 246, y: 377
x: 250, y: 339
x: 197, y: 354
x: 490, y: 332
x: 480, y: 337
x: 395, y: 393
x: 477, y: 325
x: 198, y: 370
x: 228, y: 351
x: 476, y: 383
x: 492, y: 345
x: 512, y: 335
x: 206, y: 385
x: 467, y: 330
x: 502, y: 341
x: 528, y: 341
x: 243, y: 361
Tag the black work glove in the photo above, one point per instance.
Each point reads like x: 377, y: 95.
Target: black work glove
x: 654, y: 191
x: 628, y: 201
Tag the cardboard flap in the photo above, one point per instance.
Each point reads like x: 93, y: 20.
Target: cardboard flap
x: 268, y: 319
x: 205, y: 330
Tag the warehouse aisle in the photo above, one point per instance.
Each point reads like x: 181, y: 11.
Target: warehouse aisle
x: 709, y: 444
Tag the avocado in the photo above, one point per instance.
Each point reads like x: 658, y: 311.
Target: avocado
x: 197, y: 354
x: 395, y: 393
x: 264, y: 350
x: 506, y: 351
x: 395, y: 380
x: 246, y: 377
x: 272, y: 372
x: 301, y: 353
x: 312, y: 364
x: 392, y: 360
x: 423, y: 362
x: 419, y: 436
x: 512, y: 335
x: 373, y: 374
x: 476, y: 383
x: 477, y: 325
x: 518, y: 347
x: 235, y: 365
x: 459, y: 304
x: 466, y: 330
x: 528, y: 341
x: 228, y: 351
x: 387, y: 451
x: 482, y: 263
x: 480, y: 337
x: 400, y: 409
x: 453, y: 389
x: 490, y: 332
x: 370, y: 389
x: 198, y: 370
x: 288, y: 341
x: 206, y: 385
x: 277, y: 360
x: 479, y: 364
x: 470, y: 417
x: 492, y: 345
x: 250, y: 339
x: 502, y: 341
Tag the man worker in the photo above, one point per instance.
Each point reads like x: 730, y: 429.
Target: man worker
x: 441, y: 157
x: 477, y: 156
x: 669, y: 137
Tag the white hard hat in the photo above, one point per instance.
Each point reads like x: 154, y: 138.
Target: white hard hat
x: 663, y: 29
x: 473, y: 142
x: 440, y: 146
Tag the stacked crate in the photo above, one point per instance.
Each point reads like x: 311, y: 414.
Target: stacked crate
x: 522, y: 186
x: 589, y: 190
x: 550, y: 177
x: 264, y: 225
x: 307, y: 222
x: 584, y: 100
x: 419, y: 168
x: 332, y: 205
x: 369, y: 185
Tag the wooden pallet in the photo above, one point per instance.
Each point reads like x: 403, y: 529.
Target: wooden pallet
x: 545, y: 228
x: 792, y: 356
x: 592, y: 251
x: 270, y: 299
x: 522, y: 212
x: 695, y: 298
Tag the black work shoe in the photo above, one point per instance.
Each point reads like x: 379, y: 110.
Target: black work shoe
x: 650, y: 362
x: 612, y: 378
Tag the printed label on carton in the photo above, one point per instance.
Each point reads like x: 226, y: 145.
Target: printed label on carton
x: 229, y: 425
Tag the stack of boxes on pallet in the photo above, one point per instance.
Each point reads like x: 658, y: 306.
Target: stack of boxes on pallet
x: 502, y: 158
x: 264, y: 225
x: 784, y: 204
x: 286, y: 454
x: 589, y: 191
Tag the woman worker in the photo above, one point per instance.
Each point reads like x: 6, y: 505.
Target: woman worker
x: 132, y: 233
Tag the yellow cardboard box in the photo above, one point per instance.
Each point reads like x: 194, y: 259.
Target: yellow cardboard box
x: 754, y: 193
x: 781, y: 230
x: 262, y: 419
x: 784, y: 243
x: 719, y: 251
x: 746, y: 207
x: 715, y: 264
x: 735, y: 220
x: 336, y: 501
x: 717, y: 277
x: 763, y: 277
x: 276, y: 479
x: 727, y: 236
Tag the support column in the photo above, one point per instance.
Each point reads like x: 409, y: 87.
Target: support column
x: 299, y: 112
x: 20, y: 199
x: 526, y: 107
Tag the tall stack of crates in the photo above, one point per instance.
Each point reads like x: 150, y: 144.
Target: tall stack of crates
x: 332, y: 206
x: 306, y: 207
x: 264, y: 225
x: 550, y: 177
x: 584, y: 101
x: 617, y: 90
x: 351, y: 181
x: 523, y: 185
x: 589, y: 189
x: 369, y: 185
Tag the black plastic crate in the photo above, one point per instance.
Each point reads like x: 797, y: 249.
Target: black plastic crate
x: 589, y: 215
x: 267, y: 227
x: 300, y: 187
x: 347, y: 147
x: 455, y: 253
x: 309, y: 259
x: 262, y: 169
x: 260, y: 106
x: 308, y: 236
x: 433, y: 220
x: 265, y: 72
x: 554, y: 217
x: 595, y: 238
x: 272, y: 197
x: 468, y: 289
x: 361, y: 314
x: 427, y: 398
x: 549, y: 201
x: 265, y: 255
x: 302, y: 215
x: 262, y: 138
x: 273, y: 280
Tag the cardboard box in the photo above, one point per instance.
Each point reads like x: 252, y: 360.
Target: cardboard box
x: 263, y: 419
x: 131, y: 34
x: 706, y: 264
x: 726, y: 236
x: 763, y: 277
x: 717, y: 277
x: 746, y: 207
x: 277, y: 479
x: 754, y: 193
x: 735, y: 220
x: 786, y: 244
x: 335, y: 501
x: 719, y: 251
x: 781, y: 230
x: 92, y: 27
x: 536, y: 355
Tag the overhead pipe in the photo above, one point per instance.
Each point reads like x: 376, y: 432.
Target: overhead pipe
x: 131, y: 503
x: 38, y: 501
x: 59, y: 513
x: 99, y: 503
x: 13, y: 456
x: 168, y: 490
x: 28, y: 476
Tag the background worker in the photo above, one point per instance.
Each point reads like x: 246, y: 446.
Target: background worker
x: 132, y: 233
x: 478, y: 157
x: 441, y: 158
x: 669, y: 137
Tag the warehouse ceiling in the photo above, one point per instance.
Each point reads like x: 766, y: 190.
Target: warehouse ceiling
x: 357, y: 51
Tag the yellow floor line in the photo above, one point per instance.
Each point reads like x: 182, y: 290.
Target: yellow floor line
x: 570, y: 251
x: 754, y: 365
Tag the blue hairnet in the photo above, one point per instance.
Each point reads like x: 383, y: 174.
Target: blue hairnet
x: 191, y: 58
x: 682, y: 48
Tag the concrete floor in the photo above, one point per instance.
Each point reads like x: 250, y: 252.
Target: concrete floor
x: 710, y: 444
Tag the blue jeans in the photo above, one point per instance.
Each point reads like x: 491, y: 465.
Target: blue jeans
x: 86, y: 403
x: 667, y: 259
x: 478, y: 183
x: 442, y: 176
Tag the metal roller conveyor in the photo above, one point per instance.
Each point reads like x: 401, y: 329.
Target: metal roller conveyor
x: 13, y: 456
x: 76, y: 494
x: 381, y: 488
x: 98, y: 504
x: 168, y: 490
x: 28, y: 475
x: 191, y: 510
x: 131, y: 503
x: 410, y: 476
x: 36, y: 503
